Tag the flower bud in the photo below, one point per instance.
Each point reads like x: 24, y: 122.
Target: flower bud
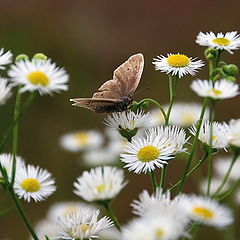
x: 40, y: 56
x: 230, y: 70
x: 210, y: 53
x: 21, y: 57
x: 231, y: 79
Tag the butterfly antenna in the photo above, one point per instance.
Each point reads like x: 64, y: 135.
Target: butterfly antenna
x: 141, y: 91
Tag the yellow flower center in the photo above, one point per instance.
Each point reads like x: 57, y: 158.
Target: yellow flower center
x: 148, y: 153
x: 188, y: 119
x: 216, y: 92
x: 221, y: 41
x: 159, y: 233
x: 102, y: 187
x: 84, y: 227
x: 70, y: 209
x: 213, y: 137
x: 38, y: 78
x: 30, y: 185
x: 178, y: 60
x: 203, y: 212
x: 82, y: 138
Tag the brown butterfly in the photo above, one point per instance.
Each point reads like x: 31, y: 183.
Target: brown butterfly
x: 116, y: 95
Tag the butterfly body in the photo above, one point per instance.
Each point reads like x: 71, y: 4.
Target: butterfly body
x: 116, y: 95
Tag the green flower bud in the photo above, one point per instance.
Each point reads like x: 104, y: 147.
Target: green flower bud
x: 210, y: 53
x: 40, y: 56
x: 128, y: 134
x: 231, y: 70
x: 21, y: 57
x: 231, y: 79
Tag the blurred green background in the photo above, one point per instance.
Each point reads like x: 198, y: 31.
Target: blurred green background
x: 90, y: 39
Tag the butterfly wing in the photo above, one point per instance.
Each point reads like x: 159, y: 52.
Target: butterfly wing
x: 98, y: 105
x: 129, y: 74
x: 125, y: 79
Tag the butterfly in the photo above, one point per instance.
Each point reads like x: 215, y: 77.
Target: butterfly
x: 116, y: 95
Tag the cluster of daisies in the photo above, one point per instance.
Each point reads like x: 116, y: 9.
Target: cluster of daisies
x: 138, y: 141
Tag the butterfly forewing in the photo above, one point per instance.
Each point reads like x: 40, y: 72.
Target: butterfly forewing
x: 116, y: 94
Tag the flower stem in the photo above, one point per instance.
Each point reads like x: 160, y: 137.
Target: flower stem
x: 21, y: 213
x: 235, y: 156
x: 153, y: 179
x: 192, y: 170
x: 15, y: 133
x: 154, y: 102
x: 163, y: 174
x: 194, y: 145
x: 111, y: 215
x: 21, y: 112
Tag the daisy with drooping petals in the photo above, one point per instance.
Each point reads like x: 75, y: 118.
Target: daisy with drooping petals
x: 82, y: 225
x: 5, y: 90
x: 184, y: 114
x: 101, y: 183
x: 220, y: 89
x: 229, y: 41
x: 145, y: 154
x: 81, y: 140
x: 39, y: 75
x: 5, y: 58
x: 220, y: 133
x: 61, y: 209
x: 128, y: 120
x: 206, y: 211
x: 177, y: 64
x: 234, y: 134
x: 6, y: 161
x: 33, y: 182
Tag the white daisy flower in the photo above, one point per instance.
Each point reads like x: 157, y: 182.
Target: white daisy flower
x: 101, y: 183
x: 220, y: 133
x: 5, y: 90
x: 61, y: 209
x: 222, y: 164
x: 128, y: 120
x: 5, y: 58
x: 215, y: 184
x: 164, y: 226
x: 44, y: 228
x: 81, y: 140
x: 206, y: 211
x: 234, y: 136
x: 175, y: 134
x: 6, y: 161
x: 177, y: 64
x: 228, y: 41
x: 99, y: 157
x: 183, y: 114
x: 82, y: 225
x: 39, y: 75
x: 220, y: 89
x: 33, y: 182
x: 145, y: 154
x: 148, y: 202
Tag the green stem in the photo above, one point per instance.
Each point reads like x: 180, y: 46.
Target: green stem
x: 154, y: 102
x: 235, y: 156
x: 194, y: 145
x: 210, y: 163
x: 163, y: 174
x: 191, y: 171
x: 22, y: 214
x: 153, y: 179
x: 210, y: 70
x: 229, y: 191
x: 218, y: 58
x: 15, y: 134
x: 111, y: 215
x: 172, y: 93
x: 21, y: 112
